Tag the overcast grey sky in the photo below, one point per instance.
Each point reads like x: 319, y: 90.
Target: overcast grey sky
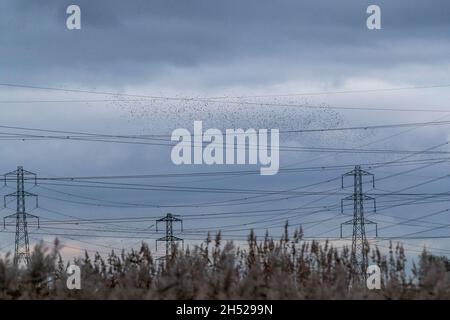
x: 224, y: 48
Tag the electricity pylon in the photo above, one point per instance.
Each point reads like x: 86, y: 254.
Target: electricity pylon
x: 22, y: 244
x: 360, y: 246
x: 169, y: 239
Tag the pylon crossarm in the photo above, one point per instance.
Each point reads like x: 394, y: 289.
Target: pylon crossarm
x: 350, y: 173
x: 376, y: 226
x: 14, y: 194
x: 366, y: 173
x: 14, y: 215
x: 10, y: 174
x: 346, y: 223
x: 35, y: 217
x: 346, y: 175
x: 29, y: 194
x: 373, y: 179
x: 8, y: 196
x: 25, y: 172
x: 366, y: 197
x: 348, y: 198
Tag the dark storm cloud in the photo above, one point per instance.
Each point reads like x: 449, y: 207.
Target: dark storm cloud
x: 142, y: 40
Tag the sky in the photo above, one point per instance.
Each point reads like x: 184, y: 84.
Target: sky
x: 291, y: 65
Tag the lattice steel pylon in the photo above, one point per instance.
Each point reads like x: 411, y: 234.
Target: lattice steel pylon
x: 360, y: 246
x: 170, y: 239
x: 22, y: 244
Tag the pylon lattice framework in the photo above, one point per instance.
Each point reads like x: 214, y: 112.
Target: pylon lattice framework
x: 169, y: 238
x: 22, y: 244
x: 360, y: 247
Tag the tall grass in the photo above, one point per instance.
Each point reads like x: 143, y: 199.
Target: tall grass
x: 286, y: 268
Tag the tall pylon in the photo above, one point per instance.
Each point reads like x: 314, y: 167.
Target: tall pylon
x: 169, y: 239
x: 359, y: 241
x: 22, y: 244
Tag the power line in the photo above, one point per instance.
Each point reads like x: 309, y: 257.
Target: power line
x: 338, y: 92
x: 68, y: 134
x: 222, y: 99
x: 262, y: 104
x: 284, y: 148
x: 374, y: 165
